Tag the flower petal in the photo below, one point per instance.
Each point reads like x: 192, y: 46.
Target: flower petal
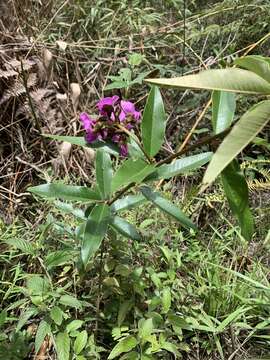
x: 87, y: 121
x: 127, y: 106
x: 124, y: 150
x: 107, y: 101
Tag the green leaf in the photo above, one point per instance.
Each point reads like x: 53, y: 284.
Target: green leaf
x: 95, y: 230
x: 145, y: 328
x: 166, y: 299
x: 74, y: 325
x: 180, y: 166
x: 223, y: 105
x: 256, y: 63
x: 70, y: 301
x: 128, y: 202
x: 21, y: 244
x: 171, y: 348
x: 166, y: 206
x: 25, y: 316
x: 62, y: 342
x: 233, y: 80
x: 58, y: 258
x: 104, y: 173
x: 80, y: 342
x: 125, y: 228
x: 42, y: 330
x: 56, y: 315
x: 65, y: 192
x: 250, y: 124
x: 80, y: 141
x: 37, y: 285
x: 236, y: 191
x: 123, y: 346
x: 232, y: 318
x: 3, y: 317
x: 153, y: 123
x: 131, y: 171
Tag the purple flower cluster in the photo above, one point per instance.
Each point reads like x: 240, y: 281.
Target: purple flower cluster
x: 113, y: 114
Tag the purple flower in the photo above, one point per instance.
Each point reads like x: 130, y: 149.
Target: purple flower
x: 116, y: 138
x: 90, y: 136
x: 128, y: 108
x: 124, y: 150
x: 88, y: 122
x: 106, y: 106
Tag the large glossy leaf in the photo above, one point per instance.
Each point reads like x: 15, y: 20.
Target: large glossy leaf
x: 104, y: 173
x: 166, y: 206
x: 80, y: 141
x: 65, y: 192
x: 180, y: 166
x: 125, y: 228
x: 131, y: 171
x: 236, y: 191
x: 153, y: 123
x: 234, y: 80
x: 128, y: 202
x: 94, y: 232
x: 250, y: 124
x: 223, y: 105
x: 258, y: 64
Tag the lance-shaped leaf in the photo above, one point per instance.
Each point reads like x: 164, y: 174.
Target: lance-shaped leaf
x: 256, y: 63
x: 234, y: 80
x: 80, y: 141
x: 65, y: 192
x: 128, y: 202
x: 223, y: 105
x: 94, y: 232
x: 166, y: 206
x: 125, y: 228
x: 104, y: 173
x: 250, y: 124
x: 153, y: 123
x: 236, y: 191
x: 131, y: 171
x: 180, y: 166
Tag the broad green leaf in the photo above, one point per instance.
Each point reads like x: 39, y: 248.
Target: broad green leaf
x: 56, y: 315
x: 70, y: 209
x: 223, y: 108
x: 62, y: 342
x: 95, y: 230
x: 104, y: 173
x: 70, y: 301
x: 80, y: 342
x: 171, y: 348
x: 166, y: 206
x: 43, y: 329
x: 65, y: 192
x: 128, y: 202
x: 131, y: 171
x: 250, y: 124
x: 3, y: 317
x: 134, y: 150
x: 180, y: 166
x: 74, y: 325
x: 37, y: 285
x: 236, y: 191
x: 124, y: 308
x: 125, y: 228
x: 153, y: 123
x: 80, y: 141
x: 145, y: 328
x: 233, y: 80
x: 123, y: 346
x: 257, y: 64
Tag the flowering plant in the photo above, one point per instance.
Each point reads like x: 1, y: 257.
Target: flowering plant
x: 116, y: 118
x: 131, y: 184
